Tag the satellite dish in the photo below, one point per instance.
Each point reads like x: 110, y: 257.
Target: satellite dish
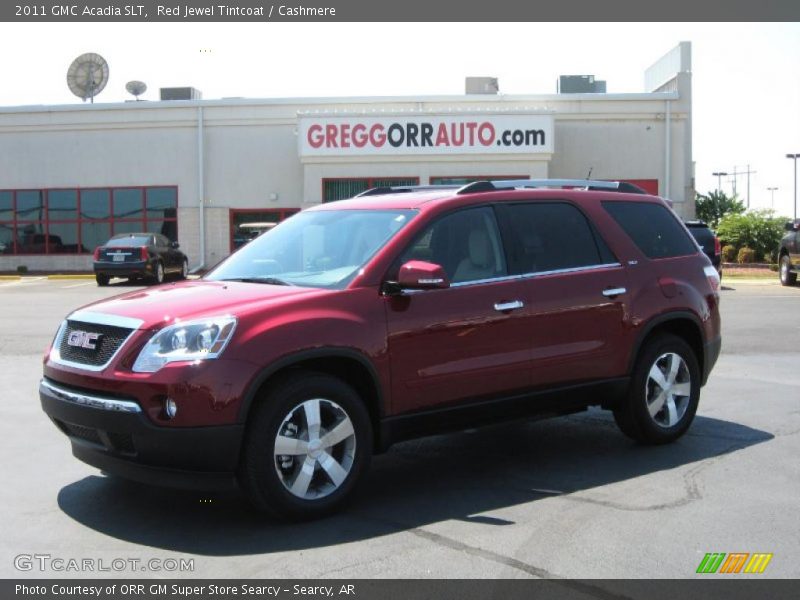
x: 87, y: 76
x: 136, y: 88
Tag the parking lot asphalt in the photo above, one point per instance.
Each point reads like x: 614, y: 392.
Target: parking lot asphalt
x: 569, y: 497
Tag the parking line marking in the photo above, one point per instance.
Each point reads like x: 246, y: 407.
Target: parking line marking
x: 74, y: 285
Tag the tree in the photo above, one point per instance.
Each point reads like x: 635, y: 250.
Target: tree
x: 760, y: 230
x: 713, y: 206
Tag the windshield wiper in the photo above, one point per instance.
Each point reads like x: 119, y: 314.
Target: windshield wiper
x: 267, y: 280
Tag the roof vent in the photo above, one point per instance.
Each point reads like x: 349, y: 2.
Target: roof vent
x: 482, y: 85
x: 580, y: 84
x: 181, y: 93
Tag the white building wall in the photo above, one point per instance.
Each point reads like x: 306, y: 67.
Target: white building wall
x: 250, y: 152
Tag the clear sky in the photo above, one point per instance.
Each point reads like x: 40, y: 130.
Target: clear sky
x: 746, y: 77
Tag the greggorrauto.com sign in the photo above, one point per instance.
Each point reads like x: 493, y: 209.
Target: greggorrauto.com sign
x: 423, y: 134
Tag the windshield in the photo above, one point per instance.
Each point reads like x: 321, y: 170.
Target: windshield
x: 325, y: 248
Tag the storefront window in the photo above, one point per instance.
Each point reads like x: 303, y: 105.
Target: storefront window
x: 248, y: 224
x: 76, y: 221
x: 340, y: 189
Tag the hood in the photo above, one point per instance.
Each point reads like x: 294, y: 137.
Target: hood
x: 162, y: 305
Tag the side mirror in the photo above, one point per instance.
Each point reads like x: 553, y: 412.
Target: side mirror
x: 419, y: 275
x: 175, y: 245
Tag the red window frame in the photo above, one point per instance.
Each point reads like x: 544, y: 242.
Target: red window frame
x: 369, y: 180
x: 45, y: 221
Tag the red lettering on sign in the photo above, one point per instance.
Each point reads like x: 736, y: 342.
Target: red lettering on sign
x: 360, y: 135
x: 486, y: 134
x: 315, y: 137
x: 441, y: 136
x: 330, y: 136
x: 377, y: 136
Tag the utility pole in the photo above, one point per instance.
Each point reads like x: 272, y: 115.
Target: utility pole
x: 771, y: 190
x: 736, y: 174
x: 794, y: 157
x: 719, y: 175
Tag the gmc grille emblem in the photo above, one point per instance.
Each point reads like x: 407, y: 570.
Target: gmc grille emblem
x: 83, y: 339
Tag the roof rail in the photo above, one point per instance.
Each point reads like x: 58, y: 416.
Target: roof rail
x: 586, y: 184
x: 404, y: 189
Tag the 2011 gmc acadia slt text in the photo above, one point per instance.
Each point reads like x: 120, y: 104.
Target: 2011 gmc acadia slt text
x: 399, y: 313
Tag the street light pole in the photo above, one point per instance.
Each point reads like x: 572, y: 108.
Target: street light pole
x: 719, y: 175
x: 794, y: 157
x: 771, y: 190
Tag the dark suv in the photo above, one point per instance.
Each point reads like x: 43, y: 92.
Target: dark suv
x: 789, y: 253
x: 400, y: 313
x: 708, y: 241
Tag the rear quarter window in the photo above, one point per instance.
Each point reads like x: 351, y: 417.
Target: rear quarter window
x: 653, y: 228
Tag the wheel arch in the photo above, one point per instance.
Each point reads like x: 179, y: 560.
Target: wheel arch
x: 684, y: 324
x: 347, y: 364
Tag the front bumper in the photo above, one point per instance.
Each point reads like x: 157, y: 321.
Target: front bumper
x: 114, y: 434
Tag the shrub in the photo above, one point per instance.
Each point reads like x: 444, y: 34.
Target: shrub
x: 729, y: 253
x: 760, y: 230
x: 22, y: 269
x: 746, y: 255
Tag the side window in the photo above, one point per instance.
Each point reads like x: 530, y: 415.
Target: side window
x: 653, y: 228
x: 466, y: 243
x: 549, y: 236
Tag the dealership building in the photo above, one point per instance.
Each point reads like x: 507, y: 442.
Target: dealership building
x: 211, y: 173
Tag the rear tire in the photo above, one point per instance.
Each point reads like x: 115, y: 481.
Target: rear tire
x: 158, y: 276
x: 184, y: 270
x: 308, y: 442
x: 102, y: 280
x: 664, y: 392
x: 787, y: 277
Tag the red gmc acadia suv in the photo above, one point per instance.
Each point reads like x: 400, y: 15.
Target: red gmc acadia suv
x: 400, y: 313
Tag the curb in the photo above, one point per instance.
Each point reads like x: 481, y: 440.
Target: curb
x: 75, y: 276
x: 10, y: 277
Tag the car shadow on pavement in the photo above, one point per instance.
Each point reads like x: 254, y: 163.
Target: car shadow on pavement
x: 458, y: 476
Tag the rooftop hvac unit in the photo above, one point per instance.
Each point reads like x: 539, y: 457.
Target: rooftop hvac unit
x: 180, y: 93
x: 580, y: 84
x: 482, y: 85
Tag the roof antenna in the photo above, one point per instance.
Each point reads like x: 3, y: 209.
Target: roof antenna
x: 589, y: 174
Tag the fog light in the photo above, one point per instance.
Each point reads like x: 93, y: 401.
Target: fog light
x: 170, y: 408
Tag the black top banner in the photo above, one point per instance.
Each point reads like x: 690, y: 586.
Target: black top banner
x: 399, y: 11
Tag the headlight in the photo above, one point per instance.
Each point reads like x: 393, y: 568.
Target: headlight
x: 186, y: 341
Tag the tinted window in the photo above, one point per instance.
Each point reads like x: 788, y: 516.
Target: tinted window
x: 128, y: 204
x: 549, y: 237
x: 466, y: 243
x: 62, y: 205
x: 6, y: 206
x: 653, y: 228
x: 96, y: 204
x: 130, y: 241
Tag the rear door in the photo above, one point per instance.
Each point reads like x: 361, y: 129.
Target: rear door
x: 465, y: 342
x: 576, y: 288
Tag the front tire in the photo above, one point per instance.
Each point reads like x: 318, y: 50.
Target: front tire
x: 787, y: 277
x: 664, y: 392
x: 308, y: 442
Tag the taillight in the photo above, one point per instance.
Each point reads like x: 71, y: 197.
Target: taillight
x: 717, y: 246
x: 713, y: 278
x: 144, y: 255
x: 97, y: 253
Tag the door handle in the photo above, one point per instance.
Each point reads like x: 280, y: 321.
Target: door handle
x: 504, y: 306
x: 613, y: 292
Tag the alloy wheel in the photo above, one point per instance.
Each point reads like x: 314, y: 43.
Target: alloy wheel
x: 668, y: 389
x: 314, y: 449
